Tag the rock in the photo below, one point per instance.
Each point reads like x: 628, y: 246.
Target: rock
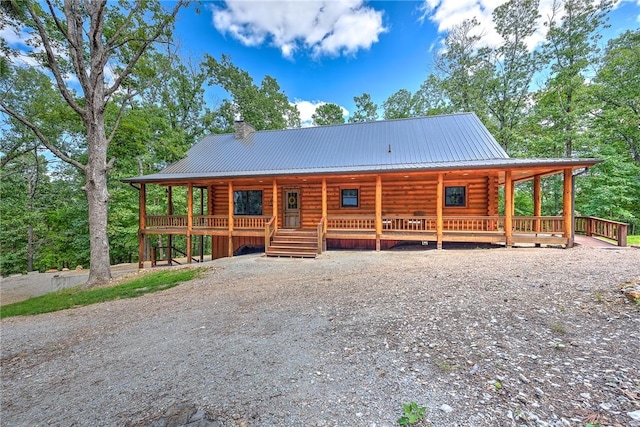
x: 632, y: 292
x: 585, y: 395
x: 473, y: 369
x: 446, y: 408
x: 635, y: 415
x: 524, y: 379
x: 65, y: 269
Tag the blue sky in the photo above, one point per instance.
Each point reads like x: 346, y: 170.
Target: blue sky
x: 330, y: 51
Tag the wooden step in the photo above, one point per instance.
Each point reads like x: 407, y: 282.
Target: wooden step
x: 294, y: 243
x: 290, y: 254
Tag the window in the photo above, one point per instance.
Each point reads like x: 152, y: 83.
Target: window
x: 350, y: 198
x: 455, y: 196
x: 247, y: 202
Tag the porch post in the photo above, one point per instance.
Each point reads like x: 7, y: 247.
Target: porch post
x: 201, y: 243
x: 508, y: 208
x: 567, y: 206
x: 189, y: 220
x: 275, y: 204
x: 537, y: 205
x: 324, y: 203
x: 439, y: 208
x: 230, y: 195
x: 170, y: 236
x: 210, y: 192
x: 378, y: 210
x: 143, y: 223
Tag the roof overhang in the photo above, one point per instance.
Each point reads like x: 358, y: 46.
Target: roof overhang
x: 521, y: 170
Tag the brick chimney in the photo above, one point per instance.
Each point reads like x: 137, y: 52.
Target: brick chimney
x: 243, y: 129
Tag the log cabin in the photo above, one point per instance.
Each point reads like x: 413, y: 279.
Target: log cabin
x: 299, y: 192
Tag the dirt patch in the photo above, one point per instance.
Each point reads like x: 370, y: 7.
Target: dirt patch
x: 480, y: 337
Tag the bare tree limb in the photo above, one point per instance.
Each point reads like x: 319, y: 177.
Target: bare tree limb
x: 43, y: 139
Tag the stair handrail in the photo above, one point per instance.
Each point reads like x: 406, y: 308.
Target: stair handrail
x: 321, y: 231
x: 269, y: 229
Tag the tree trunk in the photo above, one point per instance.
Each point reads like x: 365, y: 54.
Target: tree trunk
x: 30, y: 249
x: 97, y: 199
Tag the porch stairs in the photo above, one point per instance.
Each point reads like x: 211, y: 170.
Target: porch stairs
x: 294, y: 243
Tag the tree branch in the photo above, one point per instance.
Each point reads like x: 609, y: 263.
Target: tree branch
x: 53, y: 63
x: 134, y: 60
x: 74, y: 24
x: 119, y: 117
x: 13, y: 154
x: 43, y: 139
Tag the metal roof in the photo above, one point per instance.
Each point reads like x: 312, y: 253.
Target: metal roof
x: 434, y: 142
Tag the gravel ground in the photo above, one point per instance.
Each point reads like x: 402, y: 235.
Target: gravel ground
x: 495, y: 337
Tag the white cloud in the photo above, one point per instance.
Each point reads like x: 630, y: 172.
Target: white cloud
x: 307, y: 108
x: 323, y: 27
x: 448, y: 13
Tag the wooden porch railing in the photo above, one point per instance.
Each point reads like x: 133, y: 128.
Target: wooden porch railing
x: 408, y: 223
x: 253, y: 221
x: 210, y: 221
x: 352, y: 222
x: 166, y: 221
x: 592, y: 226
x: 541, y: 224
x: 269, y: 229
x: 473, y: 223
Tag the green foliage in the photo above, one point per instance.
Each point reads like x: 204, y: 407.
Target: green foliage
x: 76, y: 297
x: 633, y: 240
x: 328, y: 114
x: 412, y: 413
x: 367, y: 110
x: 265, y: 107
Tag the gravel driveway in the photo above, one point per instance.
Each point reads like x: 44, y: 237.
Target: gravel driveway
x: 492, y: 337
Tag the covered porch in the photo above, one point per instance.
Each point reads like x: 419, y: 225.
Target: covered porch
x: 384, y: 216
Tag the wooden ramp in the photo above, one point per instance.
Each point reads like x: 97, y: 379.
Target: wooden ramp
x: 294, y: 243
x: 592, y: 242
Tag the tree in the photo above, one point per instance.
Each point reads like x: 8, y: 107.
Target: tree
x: 461, y: 69
x: 615, y: 94
x: 430, y: 99
x: 512, y: 66
x: 86, y: 40
x: 327, y: 114
x: 571, y: 46
x: 266, y: 107
x: 367, y: 110
x: 398, y: 105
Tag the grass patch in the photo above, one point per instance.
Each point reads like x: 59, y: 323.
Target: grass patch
x: 76, y: 297
x: 633, y: 240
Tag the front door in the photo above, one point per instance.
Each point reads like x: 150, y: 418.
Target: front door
x: 292, y: 208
